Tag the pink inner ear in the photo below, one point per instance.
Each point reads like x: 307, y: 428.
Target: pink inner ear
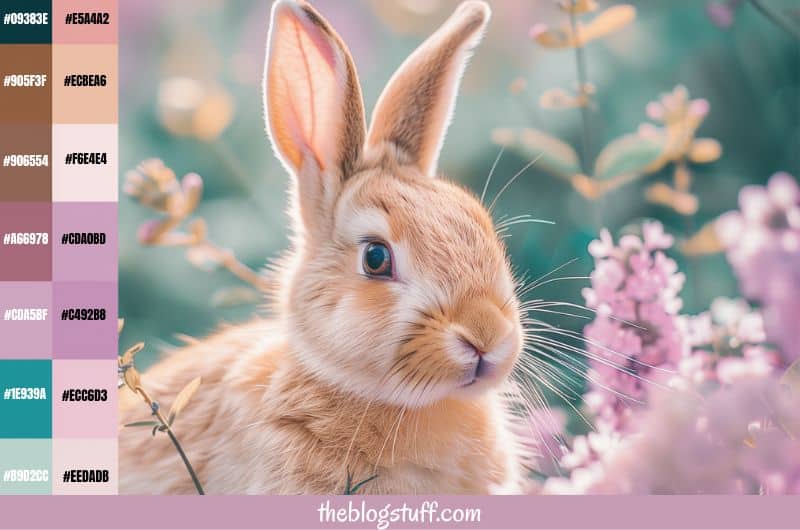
x: 304, y: 88
x: 320, y: 40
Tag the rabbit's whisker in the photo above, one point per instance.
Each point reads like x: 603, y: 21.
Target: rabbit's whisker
x: 491, y: 172
x: 511, y: 180
x: 525, y: 289
x: 547, y: 328
x: 537, y: 377
x: 398, y: 418
x: 544, y: 303
x: 355, y: 434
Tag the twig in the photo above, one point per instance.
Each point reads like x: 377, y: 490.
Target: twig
x: 580, y: 67
x: 776, y: 19
x: 242, y: 271
x: 166, y: 426
x: 189, y: 468
x: 226, y: 258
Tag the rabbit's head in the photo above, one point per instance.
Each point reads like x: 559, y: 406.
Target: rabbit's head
x: 398, y: 287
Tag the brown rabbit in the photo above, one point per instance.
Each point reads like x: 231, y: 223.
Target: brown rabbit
x: 396, y: 321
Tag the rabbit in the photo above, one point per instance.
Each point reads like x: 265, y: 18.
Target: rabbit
x: 396, y: 322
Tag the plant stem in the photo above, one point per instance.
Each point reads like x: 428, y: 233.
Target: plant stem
x: 775, y: 19
x: 157, y: 412
x: 242, y: 271
x: 186, y: 462
x: 586, y: 148
x: 226, y: 258
x: 580, y: 67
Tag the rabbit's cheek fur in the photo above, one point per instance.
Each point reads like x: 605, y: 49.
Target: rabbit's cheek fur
x: 342, y: 332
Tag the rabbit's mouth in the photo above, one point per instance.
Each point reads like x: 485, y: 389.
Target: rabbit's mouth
x: 481, y: 369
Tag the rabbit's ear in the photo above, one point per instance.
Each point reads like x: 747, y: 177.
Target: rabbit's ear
x: 314, y: 109
x: 415, y: 108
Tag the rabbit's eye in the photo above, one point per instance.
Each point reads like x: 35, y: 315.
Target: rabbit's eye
x: 377, y: 260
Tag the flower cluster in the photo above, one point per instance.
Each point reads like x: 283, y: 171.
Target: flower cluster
x: 155, y: 186
x: 740, y: 439
x: 762, y: 243
x: 710, y: 413
x: 728, y: 346
x: 680, y: 118
x: 636, y: 339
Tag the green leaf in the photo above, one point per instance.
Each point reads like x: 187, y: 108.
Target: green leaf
x: 147, y: 423
x: 626, y: 155
x: 349, y: 489
x: 557, y: 156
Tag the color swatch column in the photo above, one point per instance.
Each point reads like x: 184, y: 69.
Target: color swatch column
x: 25, y: 247
x: 84, y: 246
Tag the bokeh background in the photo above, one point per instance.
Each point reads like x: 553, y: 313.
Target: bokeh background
x: 203, y: 59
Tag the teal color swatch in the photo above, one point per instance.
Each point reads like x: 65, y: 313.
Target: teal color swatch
x: 25, y: 400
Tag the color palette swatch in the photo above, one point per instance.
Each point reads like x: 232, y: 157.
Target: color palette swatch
x: 58, y: 246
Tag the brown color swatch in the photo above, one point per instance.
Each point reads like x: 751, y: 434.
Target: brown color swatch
x: 25, y: 177
x: 25, y: 104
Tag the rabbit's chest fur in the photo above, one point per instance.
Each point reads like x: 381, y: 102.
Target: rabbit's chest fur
x: 259, y: 425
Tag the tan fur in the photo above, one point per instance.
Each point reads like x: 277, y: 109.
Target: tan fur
x: 261, y: 425
x: 370, y: 376
x: 416, y: 105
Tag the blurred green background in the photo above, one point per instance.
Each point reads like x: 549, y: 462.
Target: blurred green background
x: 749, y: 73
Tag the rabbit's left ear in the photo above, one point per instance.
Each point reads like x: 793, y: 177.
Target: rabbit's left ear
x: 314, y: 110
x: 414, y: 110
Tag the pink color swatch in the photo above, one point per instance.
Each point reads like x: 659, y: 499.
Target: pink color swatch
x: 69, y: 15
x: 84, y: 399
x: 77, y: 457
x: 85, y: 164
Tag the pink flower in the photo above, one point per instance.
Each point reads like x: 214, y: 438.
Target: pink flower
x: 636, y: 335
x: 741, y: 438
x: 728, y: 341
x: 655, y: 238
x: 762, y: 242
x: 601, y: 248
x: 543, y: 438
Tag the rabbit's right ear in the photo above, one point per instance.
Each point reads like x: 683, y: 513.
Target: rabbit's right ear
x: 415, y: 108
x: 314, y: 111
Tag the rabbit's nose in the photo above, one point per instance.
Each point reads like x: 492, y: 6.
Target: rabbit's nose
x: 468, y: 344
x: 481, y: 324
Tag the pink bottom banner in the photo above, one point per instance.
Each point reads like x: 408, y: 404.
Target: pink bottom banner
x: 384, y: 512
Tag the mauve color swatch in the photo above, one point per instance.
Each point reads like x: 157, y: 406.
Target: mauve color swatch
x: 91, y: 262
x: 85, y: 339
x: 26, y: 324
x: 25, y: 262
